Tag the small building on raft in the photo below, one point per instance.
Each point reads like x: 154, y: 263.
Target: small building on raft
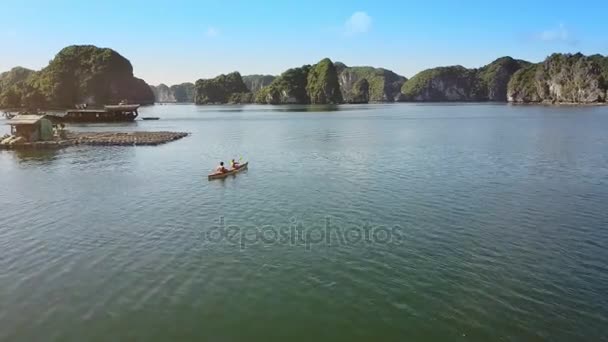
x: 31, y: 128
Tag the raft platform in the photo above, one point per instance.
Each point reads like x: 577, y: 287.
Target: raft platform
x: 101, y: 139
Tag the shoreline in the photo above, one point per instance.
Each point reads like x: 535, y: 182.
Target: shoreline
x: 547, y: 103
x: 544, y: 104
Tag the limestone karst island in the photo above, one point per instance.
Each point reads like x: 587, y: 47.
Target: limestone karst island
x: 97, y: 76
x: 86, y: 76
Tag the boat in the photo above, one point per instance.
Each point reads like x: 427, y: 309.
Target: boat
x: 150, y: 118
x: 223, y: 175
x: 82, y: 114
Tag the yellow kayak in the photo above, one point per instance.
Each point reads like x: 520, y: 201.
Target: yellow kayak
x: 221, y: 175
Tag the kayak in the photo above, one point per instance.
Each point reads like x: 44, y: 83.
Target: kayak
x: 221, y: 175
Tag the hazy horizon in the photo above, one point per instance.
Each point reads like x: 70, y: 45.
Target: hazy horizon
x: 183, y: 41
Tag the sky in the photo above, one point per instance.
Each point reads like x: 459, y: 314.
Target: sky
x: 181, y: 41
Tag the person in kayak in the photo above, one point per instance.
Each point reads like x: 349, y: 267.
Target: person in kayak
x: 234, y: 164
x: 221, y: 168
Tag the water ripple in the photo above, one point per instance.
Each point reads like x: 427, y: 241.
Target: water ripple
x: 500, y: 212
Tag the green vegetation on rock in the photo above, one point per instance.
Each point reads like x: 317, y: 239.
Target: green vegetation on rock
x: 360, y: 92
x: 457, y: 83
x: 384, y: 85
x: 15, y: 77
x: 602, y: 62
x: 290, y: 87
x: 97, y: 76
x: 12, y: 86
x: 220, y: 89
x: 256, y: 82
x: 495, y: 77
x: 241, y: 98
x: 562, y: 78
x: 84, y: 74
x: 88, y: 74
x: 453, y: 83
x: 323, y: 86
x: 10, y: 98
x: 522, y: 86
x: 184, y: 92
x: 331, y: 83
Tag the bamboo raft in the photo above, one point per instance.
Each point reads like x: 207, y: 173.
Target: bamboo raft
x: 100, y: 139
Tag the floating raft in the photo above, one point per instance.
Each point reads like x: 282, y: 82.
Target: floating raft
x: 126, y: 139
x: 103, y: 139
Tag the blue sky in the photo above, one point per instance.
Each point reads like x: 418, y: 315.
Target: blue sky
x: 178, y: 41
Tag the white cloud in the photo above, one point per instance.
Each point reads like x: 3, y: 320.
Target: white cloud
x: 212, y: 32
x: 560, y: 34
x: 359, y: 22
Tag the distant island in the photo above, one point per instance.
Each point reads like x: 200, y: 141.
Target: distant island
x: 97, y: 76
x: 178, y: 93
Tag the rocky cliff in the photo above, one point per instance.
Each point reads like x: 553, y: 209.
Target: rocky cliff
x: 87, y: 74
x: 162, y: 93
x: 180, y: 93
x: 453, y: 83
x: 562, y: 78
x: 359, y: 92
x: 77, y: 74
x: 322, y: 83
x: 383, y: 85
x: 457, y: 83
x: 316, y: 84
x: 256, y: 82
x: 222, y: 89
x: 495, y: 77
x: 288, y: 88
x: 184, y: 92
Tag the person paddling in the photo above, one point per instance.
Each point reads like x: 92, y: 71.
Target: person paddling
x: 221, y: 168
x: 234, y: 164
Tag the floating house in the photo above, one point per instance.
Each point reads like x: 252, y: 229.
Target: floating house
x: 31, y: 128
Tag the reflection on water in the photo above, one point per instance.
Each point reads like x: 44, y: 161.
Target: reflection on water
x: 500, y: 213
x: 40, y: 157
x: 35, y: 156
x: 284, y: 108
x: 312, y: 108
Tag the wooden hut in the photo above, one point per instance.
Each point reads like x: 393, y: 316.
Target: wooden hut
x: 31, y: 128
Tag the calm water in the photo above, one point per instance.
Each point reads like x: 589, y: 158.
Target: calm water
x: 375, y: 222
